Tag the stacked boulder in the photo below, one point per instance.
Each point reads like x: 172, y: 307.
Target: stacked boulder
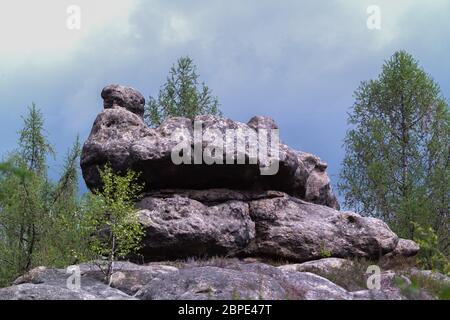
x: 227, y: 208
x: 236, y: 216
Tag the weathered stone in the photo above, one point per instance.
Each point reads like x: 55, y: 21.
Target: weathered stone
x: 322, y: 266
x: 218, y: 278
x: 203, y: 283
x: 432, y: 275
x: 300, y: 231
x: 393, y: 286
x: 183, y: 223
x: 405, y: 248
x: 178, y: 227
x: 126, y: 97
x: 130, y: 278
x: 29, y: 291
x: 51, y: 284
x: 298, y: 285
x: 245, y: 281
x: 120, y: 137
x: 114, y: 130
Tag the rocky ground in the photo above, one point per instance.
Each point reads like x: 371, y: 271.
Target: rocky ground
x: 234, y: 279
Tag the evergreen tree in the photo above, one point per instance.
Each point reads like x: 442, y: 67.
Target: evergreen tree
x: 34, y: 147
x: 8, y: 167
x: 39, y: 220
x: 67, y: 187
x: 28, y: 206
x: 65, y: 243
x: 181, y: 96
x: 396, y: 165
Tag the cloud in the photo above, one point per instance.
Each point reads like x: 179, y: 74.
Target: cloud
x: 38, y: 29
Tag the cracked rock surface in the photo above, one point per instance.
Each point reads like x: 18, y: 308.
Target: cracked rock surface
x: 217, y: 278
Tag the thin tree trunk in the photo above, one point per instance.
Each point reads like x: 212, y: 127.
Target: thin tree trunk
x: 405, y: 165
x: 31, y: 247
x: 111, y: 261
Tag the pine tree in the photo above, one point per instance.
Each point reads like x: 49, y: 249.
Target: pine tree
x: 39, y: 220
x: 65, y: 243
x: 34, y: 147
x: 181, y: 96
x: 31, y: 208
x: 396, y: 165
x: 67, y: 187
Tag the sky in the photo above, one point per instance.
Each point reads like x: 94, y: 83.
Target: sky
x: 296, y: 61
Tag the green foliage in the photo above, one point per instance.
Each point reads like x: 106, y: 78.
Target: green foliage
x: 38, y: 218
x: 420, y: 284
x: 324, y: 252
x: 396, y: 165
x: 430, y: 255
x: 181, y: 96
x: 45, y: 223
x: 111, y: 219
x: 8, y: 167
x: 235, y: 295
x: 64, y: 241
x: 25, y: 200
x: 34, y: 147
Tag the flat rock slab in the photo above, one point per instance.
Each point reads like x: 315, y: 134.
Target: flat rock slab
x: 270, y: 224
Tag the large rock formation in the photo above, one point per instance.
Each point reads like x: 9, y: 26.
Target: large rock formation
x: 226, y: 207
x: 120, y: 136
x: 235, y: 212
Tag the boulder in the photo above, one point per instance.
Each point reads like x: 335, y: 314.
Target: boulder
x: 298, y: 285
x: 321, y: 266
x: 205, y: 283
x: 29, y: 291
x: 405, y: 248
x: 389, y: 290
x: 241, y: 281
x: 211, y: 279
x: 431, y: 275
x: 393, y: 286
x: 180, y: 227
x: 271, y: 224
x: 300, y: 231
x: 130, y: 278
x: 51, y: 284
x: 120, y: 137
x: 117, y: 96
